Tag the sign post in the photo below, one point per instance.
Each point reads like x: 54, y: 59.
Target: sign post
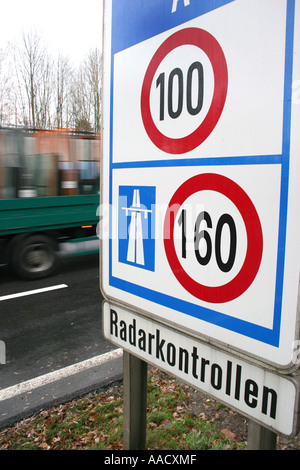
x: 260, y: 438
x: 200, y: 194
x: 135, y: 402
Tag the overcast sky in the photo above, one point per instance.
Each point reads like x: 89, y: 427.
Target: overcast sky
x: 71, y: 27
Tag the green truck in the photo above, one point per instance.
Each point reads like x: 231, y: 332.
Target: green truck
x: 49, y: 195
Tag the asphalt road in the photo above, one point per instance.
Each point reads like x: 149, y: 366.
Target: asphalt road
x: 51, y: 330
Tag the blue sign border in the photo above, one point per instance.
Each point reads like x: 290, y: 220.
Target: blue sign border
x: 131, y: 25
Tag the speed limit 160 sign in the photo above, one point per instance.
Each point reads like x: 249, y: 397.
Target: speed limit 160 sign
x: 200, y: 225
x: 201, y: 233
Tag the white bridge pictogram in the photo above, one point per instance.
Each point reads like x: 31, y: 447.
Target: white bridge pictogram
x: 135, y: 253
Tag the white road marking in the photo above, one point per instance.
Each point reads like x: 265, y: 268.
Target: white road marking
x: 29, y: 385
x: 32, y: 292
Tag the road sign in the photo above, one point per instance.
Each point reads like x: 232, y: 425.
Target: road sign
x: 200, y: 192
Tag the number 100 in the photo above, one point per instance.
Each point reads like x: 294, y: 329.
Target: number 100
x: 175, y: 107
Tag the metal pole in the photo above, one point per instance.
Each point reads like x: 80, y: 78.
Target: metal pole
x: 135, y: 402
x: 260, y: 438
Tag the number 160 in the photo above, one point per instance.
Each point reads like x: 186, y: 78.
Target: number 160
x: 225, y: 219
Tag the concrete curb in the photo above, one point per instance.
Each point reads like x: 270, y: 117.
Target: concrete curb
x: 34, y: 396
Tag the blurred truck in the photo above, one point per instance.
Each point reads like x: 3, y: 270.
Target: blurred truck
x: 49, y: 194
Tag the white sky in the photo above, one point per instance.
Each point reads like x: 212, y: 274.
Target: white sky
x: 71, y: 27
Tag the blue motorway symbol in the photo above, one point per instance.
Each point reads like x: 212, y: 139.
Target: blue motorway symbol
x: 136, y: 230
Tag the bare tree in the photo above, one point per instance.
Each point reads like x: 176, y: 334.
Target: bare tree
x: 92, y: 66
x: 86, y: 93
x: 44, y: 93
x: 80, y: 101
x: 44, y: 96
x: 63, y: 80
x: 6, y: 90
x: 34, y: 79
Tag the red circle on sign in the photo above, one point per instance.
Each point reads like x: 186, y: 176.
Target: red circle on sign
x: 207, y: 43
x: 240, y: 283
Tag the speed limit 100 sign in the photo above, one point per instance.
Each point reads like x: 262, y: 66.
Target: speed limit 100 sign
x: 200, y: 169
x: 179, y: 94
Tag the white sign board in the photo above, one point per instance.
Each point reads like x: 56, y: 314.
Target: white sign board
x: 200, y: 174
x: 255, y: 392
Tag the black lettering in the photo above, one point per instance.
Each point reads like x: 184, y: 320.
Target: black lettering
x: 238, y: 382
x: 195, y: 358
x: 251, y: 390
x: 113, y: 323
x: 175, y: 73
x: 132, y: 333
x: 150, y: 337
x: 183, y: 352
x: 159, y: 346
x: 199, y: 234
x: 226, y: 219
x: 199, y: 68
x: 161, y: 82
x: 266, y: 392
x: 216, y: 376
x: 142, y: 340
x: 171, y: 354
x: 228, y: 377
x: 123, y: 332
x: 204, y: 362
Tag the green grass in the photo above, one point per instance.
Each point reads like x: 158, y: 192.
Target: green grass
x: 95, y: 422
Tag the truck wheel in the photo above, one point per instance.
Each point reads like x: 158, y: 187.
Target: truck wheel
x: 34, y: 257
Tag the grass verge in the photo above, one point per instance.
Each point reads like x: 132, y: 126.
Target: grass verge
x: 95, y: 422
